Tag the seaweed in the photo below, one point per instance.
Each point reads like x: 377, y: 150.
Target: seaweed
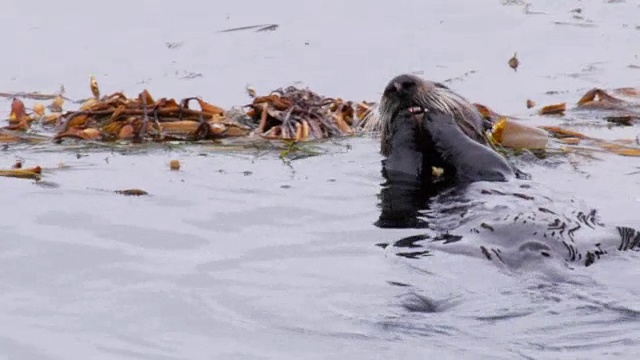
x: 285, y: 118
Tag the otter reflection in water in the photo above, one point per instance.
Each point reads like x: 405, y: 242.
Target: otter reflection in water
x: 481, y: 206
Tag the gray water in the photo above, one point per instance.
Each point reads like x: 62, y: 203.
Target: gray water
x: 240, y: 256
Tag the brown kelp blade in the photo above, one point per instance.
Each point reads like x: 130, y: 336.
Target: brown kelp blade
x: 516, y: 135
x: 560, y: 132
x: 598, y: 98
x: 573, y: 138
x: 289, y: 114
x: 555, y: 109
x: 29, y: 173
x: 302, y: 115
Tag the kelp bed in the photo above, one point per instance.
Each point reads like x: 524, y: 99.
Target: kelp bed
x: 289, y: 114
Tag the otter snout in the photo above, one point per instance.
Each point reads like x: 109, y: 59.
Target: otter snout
x: 402, y: 87
x: 402, y: 92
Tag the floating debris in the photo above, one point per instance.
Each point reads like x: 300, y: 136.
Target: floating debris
x: 530, y: 103
x: 191, y: 75
x: 30, y: 173
x: 173, y: 45
x: 584, y: 25
x: 93, y: 84
x: 514, y: 62
x: 263, y: 27
x: 56, y: 105
x: 627, y: 120
x: 250, y: 91
x: 556, y: 109
x: 131, y: 192
x: 272, y: 27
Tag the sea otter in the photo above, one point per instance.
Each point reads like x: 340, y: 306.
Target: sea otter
x: 407, y: 96
x: 485, y: 209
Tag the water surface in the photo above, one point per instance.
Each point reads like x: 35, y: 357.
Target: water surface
x: 240, y: 256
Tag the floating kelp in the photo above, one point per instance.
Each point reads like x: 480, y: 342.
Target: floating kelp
x: 284, y: 114
x: 508, y: 134
x: 23, y: 173
x: 116, y: 117
x: 555, y: 109
x: 516, y: 135
x: 174, y: 165
x: 131, y: 192
x: 8, y: 136
x: 572, y: 139
x: 622, y: 109
x: 300, y: 115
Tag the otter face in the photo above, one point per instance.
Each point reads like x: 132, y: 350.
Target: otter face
x: 402, y: 92
x: 411, y: 92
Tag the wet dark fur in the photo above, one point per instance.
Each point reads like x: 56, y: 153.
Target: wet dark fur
x: 424, y: 125
x: 407, y: 91
x: 468, y: 160
x: 434, y: 99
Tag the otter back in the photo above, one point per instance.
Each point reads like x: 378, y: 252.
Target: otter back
x: 517, y: 227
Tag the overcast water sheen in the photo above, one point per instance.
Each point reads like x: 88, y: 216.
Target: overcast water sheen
x: 239, y: 256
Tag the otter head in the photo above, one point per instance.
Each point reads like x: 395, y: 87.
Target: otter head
x: 412, y: 93
x: 404, y: 142
x: 409, y: 94
x: 403, y: 92
x: 426, y: 119
x: 400, y: 97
